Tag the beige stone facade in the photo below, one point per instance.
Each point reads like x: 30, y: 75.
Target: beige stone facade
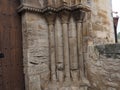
x: 102, y: 22
x: 56, y: 36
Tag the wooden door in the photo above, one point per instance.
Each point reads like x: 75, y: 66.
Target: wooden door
x: 11, y: 66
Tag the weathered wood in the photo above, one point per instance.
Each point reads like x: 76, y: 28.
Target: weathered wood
x: 11, y: 58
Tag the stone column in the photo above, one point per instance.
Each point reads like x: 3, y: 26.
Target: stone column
x: 64, y: 15
x: 59, y: 50
x: 73, y: 50
x: 86, y: 29
x: 50, y: 17
x: 79, y: 17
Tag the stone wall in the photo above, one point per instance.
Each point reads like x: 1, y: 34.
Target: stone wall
x: 53, y: 51
x: 102, y: 22
x: 56, y: 36
x: 103, y: 65
x: 54, y: 3
x: 35, y: 50
x: 101, y: 26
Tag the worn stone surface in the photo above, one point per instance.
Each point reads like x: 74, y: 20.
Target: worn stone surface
x: 53, y: 3
x: 51, y: 58
x: 103, y: 65
x: 102, y: 22
x: 56, y: 35
x: 35, y: 50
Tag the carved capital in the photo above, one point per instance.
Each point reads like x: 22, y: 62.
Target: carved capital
x: 65, y: 16
x: 79, y: 15
x: 50, y: 17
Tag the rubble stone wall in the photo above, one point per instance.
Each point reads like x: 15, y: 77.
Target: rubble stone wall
x: 103, y: 65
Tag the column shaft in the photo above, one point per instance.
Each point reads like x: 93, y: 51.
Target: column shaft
x: 66, y: 51
x: 73, y: 50
x: 52, y: 52
x: 80, y: 48
x: 59, y: 50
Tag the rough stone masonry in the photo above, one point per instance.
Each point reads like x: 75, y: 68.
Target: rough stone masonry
x: 64, y: 45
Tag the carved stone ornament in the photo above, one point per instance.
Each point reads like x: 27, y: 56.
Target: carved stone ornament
x: 64, y: 16
x: 26, y: 7
x: 78, y: 15
x: 50, y: 16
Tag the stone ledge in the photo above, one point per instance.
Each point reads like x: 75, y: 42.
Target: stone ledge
x: 27, y: 7
x: 108, y: 50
